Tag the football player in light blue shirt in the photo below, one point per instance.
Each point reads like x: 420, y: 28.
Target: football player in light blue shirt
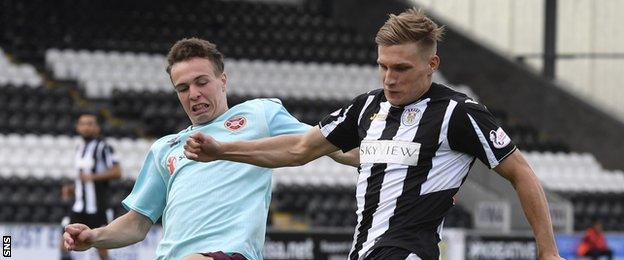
x: 208, y: 209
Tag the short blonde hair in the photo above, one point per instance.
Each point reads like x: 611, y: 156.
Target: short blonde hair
x: 410, y: 26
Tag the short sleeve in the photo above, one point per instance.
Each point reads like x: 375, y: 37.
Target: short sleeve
x: 110, y: 158
x: 148, y: 195
x: 474, y: 130
x: 340, y: 127
x: 279, y: 121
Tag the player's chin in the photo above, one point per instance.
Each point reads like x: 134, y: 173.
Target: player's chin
x: 202, y: 118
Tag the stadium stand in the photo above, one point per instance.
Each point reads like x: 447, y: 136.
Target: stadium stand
x: 112, y: 54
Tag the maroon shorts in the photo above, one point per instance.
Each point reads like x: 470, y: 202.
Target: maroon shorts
x: 222, y: 256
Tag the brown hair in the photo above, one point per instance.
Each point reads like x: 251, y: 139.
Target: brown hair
x: 410, y: 26
x: 189, y: 48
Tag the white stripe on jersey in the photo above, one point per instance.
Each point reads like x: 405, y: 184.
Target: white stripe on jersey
x: 486, y: 146
x: 90, y: 197
x: 444, y: 161
x: 413, y: 256
x: 360, y: 192
x: 326, y: 129
x: 78, y: 203
x: 369, y: 99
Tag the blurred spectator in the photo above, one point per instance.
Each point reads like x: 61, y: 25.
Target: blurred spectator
x: 594, y: 244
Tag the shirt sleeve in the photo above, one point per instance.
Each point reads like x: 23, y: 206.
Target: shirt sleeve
x: 474, y: 130
x: 109, y: 156
x: 341, y: 127
x: 149, y: 191
x: 279, y: 121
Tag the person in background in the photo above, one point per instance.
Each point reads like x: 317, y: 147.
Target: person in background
x: 594, y: 245
x: 96, y: 165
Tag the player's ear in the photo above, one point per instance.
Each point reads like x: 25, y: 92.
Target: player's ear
x: 434, y: 63
x: 223, y: 81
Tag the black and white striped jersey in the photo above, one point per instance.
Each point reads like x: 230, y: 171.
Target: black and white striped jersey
x: 413, y: 159
x: 93, y: 156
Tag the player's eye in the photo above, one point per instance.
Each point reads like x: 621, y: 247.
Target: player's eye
x: 182, y: 89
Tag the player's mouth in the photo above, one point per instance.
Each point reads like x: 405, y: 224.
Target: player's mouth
x: 392, y: 92
x: 200, y: 108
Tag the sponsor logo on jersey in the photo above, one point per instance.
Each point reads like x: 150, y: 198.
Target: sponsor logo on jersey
x: 171, y: 160
x: 173, y: 141
x: 388, y: 151
x: 379, y: 116
x: 235, y: 123
x: 410, y: 116
x: 499, y: 138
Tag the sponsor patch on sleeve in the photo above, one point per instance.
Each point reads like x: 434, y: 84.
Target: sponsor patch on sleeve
x: 499, y: 138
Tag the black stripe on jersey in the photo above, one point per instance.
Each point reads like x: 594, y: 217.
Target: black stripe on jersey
x: 94, y: 155
x: 105, y: 155
x: 374, y: 181
x: 427, y: 135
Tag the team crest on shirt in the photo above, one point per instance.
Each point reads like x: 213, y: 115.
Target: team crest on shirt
x: 235, y: 123
x: 410, y: 116
x: 499, y: 138
x: 171, y: 160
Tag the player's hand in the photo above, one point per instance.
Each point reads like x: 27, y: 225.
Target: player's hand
x: 86, y: 176
x: 78, y: 237
x: 202, y: 148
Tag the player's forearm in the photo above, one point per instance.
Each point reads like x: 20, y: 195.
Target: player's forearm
x: 111, y: 174
x: 123, y: 231
x: 274, y: 152
x: 535, y: 208
x: 351, y: 158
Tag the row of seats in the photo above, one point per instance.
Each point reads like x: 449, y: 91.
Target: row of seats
x: 244, y: 30
x: 574, y: 172
x: 589, y: 206
x: 20, y: 75
x: 38, y: 199
x: 36, y: 110
x: 52, y: 156
x: 100, y: 72
x: 47, y: 110
x: 47, y: 155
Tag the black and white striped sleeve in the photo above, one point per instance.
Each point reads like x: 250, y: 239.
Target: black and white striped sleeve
x: 475, y: 131
x: 341, y: 127
x: 109, y: 156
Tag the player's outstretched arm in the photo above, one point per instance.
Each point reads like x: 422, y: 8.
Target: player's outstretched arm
x: 125, y: 230
x: 517, y: 170
x: 351, y: 158
x: 272, y: 152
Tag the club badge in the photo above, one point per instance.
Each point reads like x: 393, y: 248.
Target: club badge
x: 235, y: 123
x: 410, y: 116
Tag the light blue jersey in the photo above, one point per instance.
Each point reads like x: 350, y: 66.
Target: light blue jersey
x: 215, y: 206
